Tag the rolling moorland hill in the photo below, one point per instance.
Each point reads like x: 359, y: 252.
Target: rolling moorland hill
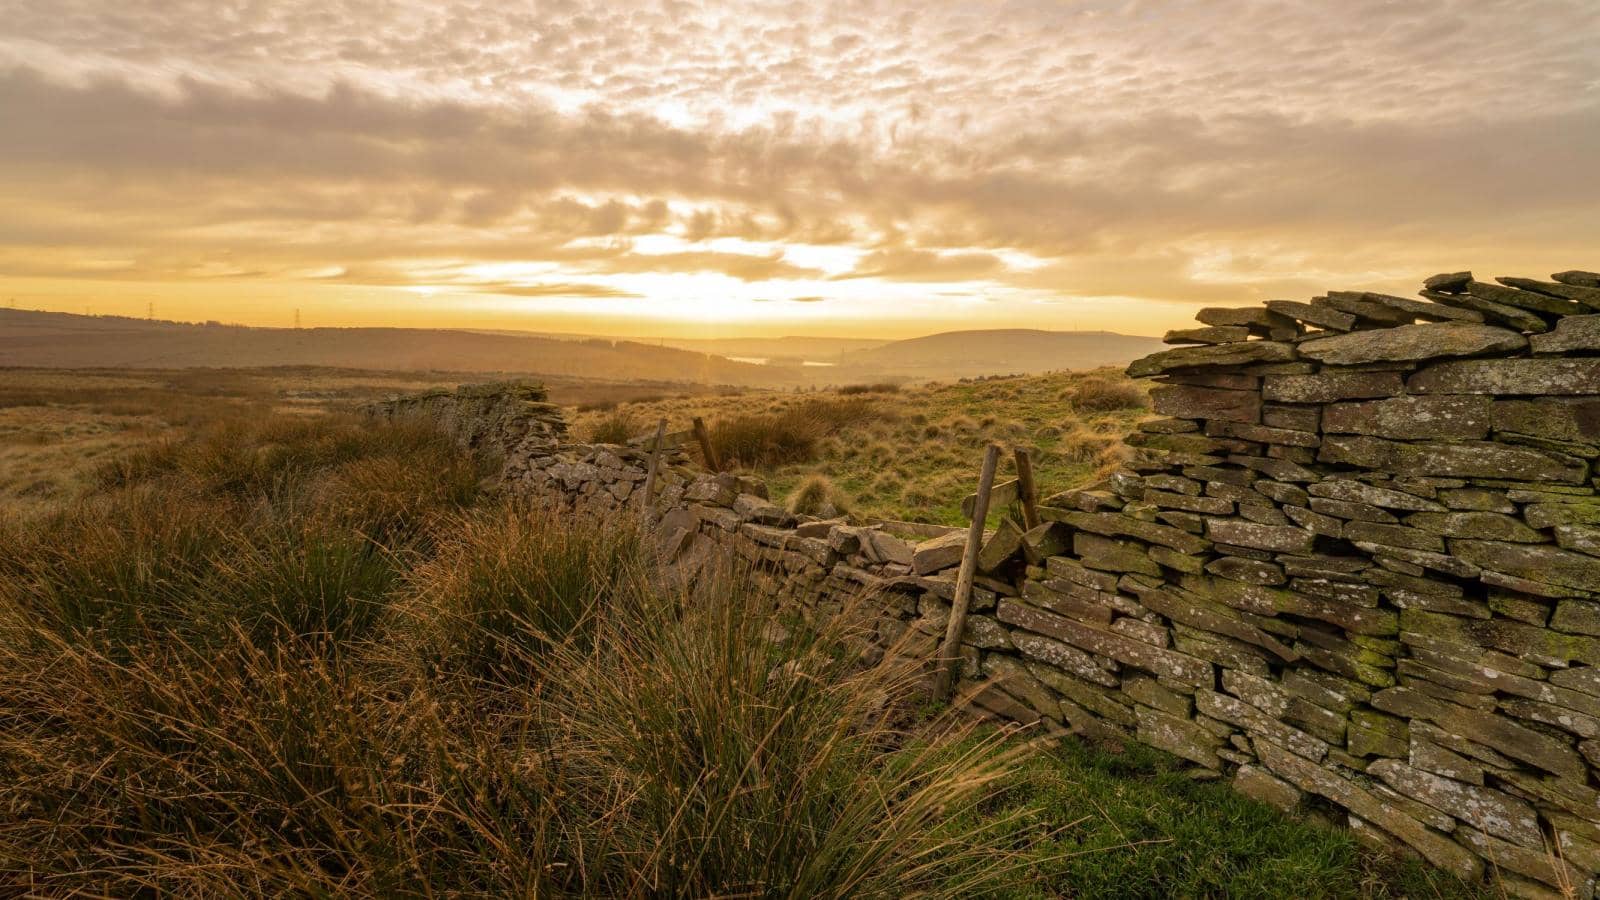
x: 1001, y: 351
x: 61, y: 340
x: 68, y: 341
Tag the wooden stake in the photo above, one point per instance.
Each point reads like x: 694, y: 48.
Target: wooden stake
x: 950, y: 652
x: 704, y: 437
x: 650, y: 473
x: 1025, y: 489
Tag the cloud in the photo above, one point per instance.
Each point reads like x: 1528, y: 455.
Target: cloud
x: 556, y: 289
x: 907, y: 264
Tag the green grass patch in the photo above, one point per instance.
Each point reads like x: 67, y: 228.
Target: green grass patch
x: 1133, y: 824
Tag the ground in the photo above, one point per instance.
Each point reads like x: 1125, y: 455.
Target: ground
x: 1070, y: 820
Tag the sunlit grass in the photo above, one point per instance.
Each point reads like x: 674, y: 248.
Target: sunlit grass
x: 914, y: 452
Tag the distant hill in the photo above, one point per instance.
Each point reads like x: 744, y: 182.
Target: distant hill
x: 983, y: 352
x: 62, y: 340
x: 817, y: 349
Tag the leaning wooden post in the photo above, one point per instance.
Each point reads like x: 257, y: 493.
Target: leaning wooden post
x: 650, y: 473
x: 950, y: 652
x: 704, y: 437
x: 1025, y: 491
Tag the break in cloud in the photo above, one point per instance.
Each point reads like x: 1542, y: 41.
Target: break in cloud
x: 892, y: 165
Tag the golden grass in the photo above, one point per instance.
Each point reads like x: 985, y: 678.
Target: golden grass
x: 311, y: 659
x: 930, y: 437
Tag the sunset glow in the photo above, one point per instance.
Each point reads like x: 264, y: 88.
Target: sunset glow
x: 720, y: 168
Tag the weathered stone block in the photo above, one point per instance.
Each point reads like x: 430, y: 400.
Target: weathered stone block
x: 1448, y: 282
x: 1253, y: 781
x: 1476, y: 499
x: 1322, y: 317
x: 1180, y: 737
x: 1263, y: 434
x: 1577, y: 617
x: 1212, y: 356
x: 1544, y: 564
x: 1001, y: 546
x: 1206, y: 403
x: 1413, y: 343
x: 1529, y: 300
x: 1421, y: 309
x: 1255, y: 722
x: 1494, y: 313
x: 1465, y: 417
x: 939, y: 553
x: 1065, y: 657
x: 1525, y: 377
x: 1485, y: 526
x: 1111, y: 524
x: 1351, y: 511
x: 1468, y: 459
x: 1276, y: 538
x: 1215, y: 334
x: 1045, y: 540
x: 1327, y: 387
x: 1168, y: 663
x: 1490, y: 810
x: 1249, y: 571
x: 1257, y: 317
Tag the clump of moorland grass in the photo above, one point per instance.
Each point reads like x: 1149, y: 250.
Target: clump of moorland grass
x: 616, y: 428
x: 789, y: 434
x: 818, y: 496
x: 512, y: 580
x: 1082, y: 445
x: 1094, y: 395
x: 881, y: 387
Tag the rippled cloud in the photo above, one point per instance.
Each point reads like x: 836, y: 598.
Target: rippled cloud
x: 1055, y: 160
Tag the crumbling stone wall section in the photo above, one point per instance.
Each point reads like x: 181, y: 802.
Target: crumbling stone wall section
x: 514, y: 417
x: 1355, y: 563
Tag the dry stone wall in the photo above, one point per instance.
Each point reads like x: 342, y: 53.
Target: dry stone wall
x: 510, y: 417
x: 1355, y: 563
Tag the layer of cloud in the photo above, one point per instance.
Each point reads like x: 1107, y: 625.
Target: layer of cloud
x: 1133, y: 150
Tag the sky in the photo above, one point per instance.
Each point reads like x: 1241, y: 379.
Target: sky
x: 712, y: 169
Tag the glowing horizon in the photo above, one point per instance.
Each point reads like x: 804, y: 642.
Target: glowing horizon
x: 717, y: 169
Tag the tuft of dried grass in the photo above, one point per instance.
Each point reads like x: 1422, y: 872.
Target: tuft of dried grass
x: 1094, y: 395
x: 618, y: 427
x: 818, y: 496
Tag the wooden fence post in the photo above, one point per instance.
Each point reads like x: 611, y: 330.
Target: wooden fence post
x: 704, y: 437
x: 650, y: 473
x: 1025, y: 490
x: 950, y: 651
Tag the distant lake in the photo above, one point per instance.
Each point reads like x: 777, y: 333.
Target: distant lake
x: 767, y: 361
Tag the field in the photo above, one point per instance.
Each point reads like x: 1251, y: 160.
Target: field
x: 905, y: 453
x: 276, y: 653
